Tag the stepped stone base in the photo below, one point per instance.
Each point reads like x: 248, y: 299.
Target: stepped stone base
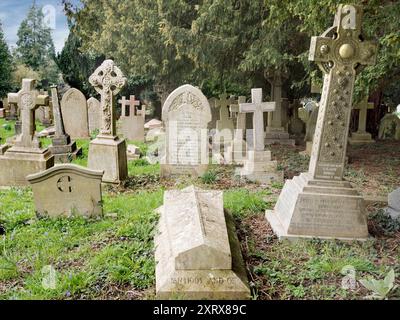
x: 259, y: 167
x: 360, y: 138
x: 309, y: 208
x: 278, y: 136
x: 64, y: 150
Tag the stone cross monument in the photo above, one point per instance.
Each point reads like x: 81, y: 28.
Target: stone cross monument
x: 320, y: 203
x: 108, y: 152
x: 258, y: 166
x: 236, y: 152
x: 131, y: 123
x: 362, y: 136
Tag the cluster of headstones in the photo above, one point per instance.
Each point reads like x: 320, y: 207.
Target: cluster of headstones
x: 197, y: 251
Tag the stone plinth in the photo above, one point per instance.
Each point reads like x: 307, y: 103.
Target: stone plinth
x: 278, y: 136
x: 109, y: 155
x: 67, y: 190
x: 309, y: 208
x: 358, y: 138
x: 197, y: 252
x: 64, y: 150
x: 258, y: 167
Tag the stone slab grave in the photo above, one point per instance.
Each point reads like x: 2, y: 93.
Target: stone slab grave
x: 361, y: 136
x: 75, y: 114
x: 197, y: 251
x: 67, y: 190
x: 26, y: 156
x: 389, y: 127
x: 236, y: 152
x: 132, y: 119
x: 63, y: 148
x: 394, y: 204
x: 320, y: 203
x: 186, y: 113
x: 276, y: 131
x: 258, y: 166
x: 108, y: 152
x: 224, y: 126
x: 94, y: 114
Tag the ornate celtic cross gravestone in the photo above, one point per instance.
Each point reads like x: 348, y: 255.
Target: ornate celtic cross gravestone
x: 320, y: 203
x: 26, y: 156
x: 362, y: 136
x: 107, y: 152
x: 258, y: 165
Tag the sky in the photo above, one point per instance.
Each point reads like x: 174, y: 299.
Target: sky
x: 12, y: 12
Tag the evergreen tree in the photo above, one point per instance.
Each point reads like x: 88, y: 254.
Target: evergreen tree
x: 6, y: 66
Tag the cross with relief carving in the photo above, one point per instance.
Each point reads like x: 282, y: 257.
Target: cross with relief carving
x: 341, y: 54
x: 108, y: 80
x: 28, y: 101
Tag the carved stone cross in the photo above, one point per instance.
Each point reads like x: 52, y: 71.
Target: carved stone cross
x: 28, y: 100
x: 108, y: 80
x: 363, y: 106
x: 132, y: 103
x: 257, y: 107
x: 223, y: 103
x: 341, y: 54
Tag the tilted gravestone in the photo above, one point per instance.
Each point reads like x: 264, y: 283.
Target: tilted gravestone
x: 362, y: 136
x: 26, y: 156
x: 108, y: 152
x: 320, y: 203
x: 67, y: 190
x: 186, y: 113
x: 197, y: 251
x: 75, y: 114
x: 94, y: 114
x: 63, y: 149
x: 258, y: 165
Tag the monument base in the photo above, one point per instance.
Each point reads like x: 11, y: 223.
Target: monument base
x: 324, y: 209
x: 278, y: 136
x: 109, y: 154
x: 169, y: 170
x: 17, y: 163
x: 259, y: 167
x: 358, y: 138
x: 64, y: 150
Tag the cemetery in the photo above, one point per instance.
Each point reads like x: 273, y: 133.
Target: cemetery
x: 187, y: 163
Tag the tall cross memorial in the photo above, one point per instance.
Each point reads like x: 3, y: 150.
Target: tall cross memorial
x: 362, y: 136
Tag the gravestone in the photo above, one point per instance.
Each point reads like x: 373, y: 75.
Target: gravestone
x: 26, y: 156
x: 321, y: 203
x: 108, y: 152
x: 3, y: 107
x: 94, y: 114
x: 310, y: 130
x: 237, y: 150
x: 63, y: 149
x: 214, y: 113
x: 389, y: 127
x: 186, y: 113
x: 258, y: 166
x: 296, y: 125
x: 132, y: 152
x: 276, y: 132
x: 362, y: 136
x: 224, y: 126
x: 75, y: 114
x: 394, y: 204
x: 12, y: 112
x: 197, y: 251
x: 132, y: 119
x: 67, y: 190
x: 153, y: 124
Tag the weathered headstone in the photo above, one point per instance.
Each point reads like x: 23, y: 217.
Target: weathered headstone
x: 296, y: 125
x: 186, y: 113
x: 197, y: 251
x: 26, y: 156
x: 320, y: 203
x: 153, y: 124
x: 238, y: 146
x: 132, y: 152
x: 75, y: 114
x: 224, y: 126
x: 67, y: 190
x: 108, y: 152
x: 12, y: 113
x: 63, y: 149
x: 362, y: 136
x: 258, y: 166
x: 94, y: 114
x: 310, y: 130
x: 214, y: 113
x: 394, y: 204
x: 132, y: 119
x: 276, y: 131
x: 389, y: 127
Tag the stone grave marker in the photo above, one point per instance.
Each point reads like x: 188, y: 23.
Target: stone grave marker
x: 26, y: 156
x: 108, y: 152
x: 258, y: 166
x: 362, y: 136
x: 186, y: 113
x: 153, y: 124
x: 389, y: 127
x: 310, y: 130
x: 394, y: 204
x: 321, y: 203
x: 197, y: 251
x: 132, y: 119
x: 224, y: 126
x: 67, y: 190
x: 75, y: 114
x: 296, y: 125
x: 94, y: 114
x: 63, y: 149
x: 214, y: 113
x: 238, y: 146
